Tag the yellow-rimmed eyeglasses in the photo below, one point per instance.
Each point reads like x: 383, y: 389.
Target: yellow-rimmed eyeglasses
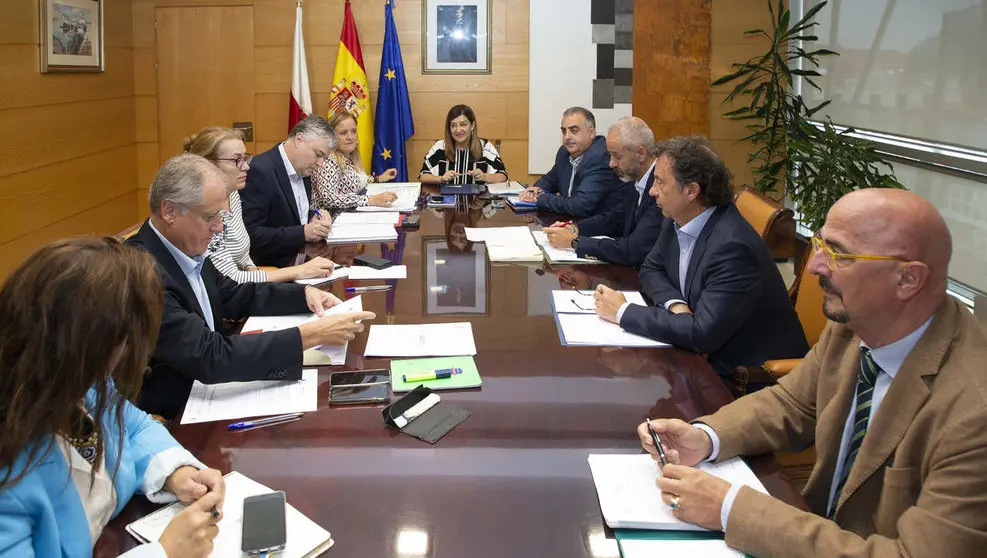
x: 832, y: 257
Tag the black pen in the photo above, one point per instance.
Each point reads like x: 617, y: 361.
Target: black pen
x: 657, y: 441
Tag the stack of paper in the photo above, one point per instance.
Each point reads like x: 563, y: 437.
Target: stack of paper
x: 590, y: 330
x: 325, y: 354
x: 510, y: 188
x: 389, y: 217
x: 560, y: 255
x: 696, y: 548
x: 339, y: 272
x: 454, y: 339
x: 360, y: 233
x: 407, y: 192
x: 507, y: 244
x: 630, y: 499
x: 582, y: 302
x: 359, y: 272
x: 235, y: 400
x: 304, y: 537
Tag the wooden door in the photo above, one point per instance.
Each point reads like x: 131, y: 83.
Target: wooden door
x: 205, y: 71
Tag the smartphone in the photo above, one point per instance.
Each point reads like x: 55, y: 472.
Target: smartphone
x: 373, y: 261
x: 353, y: 395
x: 438, y: 200
x: 264, y: 528
x: 360, y: 378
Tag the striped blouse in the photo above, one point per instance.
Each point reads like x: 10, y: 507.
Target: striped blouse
x: 437, y: 163
x: 338, y: 188
x: 230, y: 249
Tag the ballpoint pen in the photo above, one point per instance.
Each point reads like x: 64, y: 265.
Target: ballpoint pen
x: 561, y: 225
x: 369, y: 289
x: 657, y: 441
x: 265, y: 425
x: 251, y: 423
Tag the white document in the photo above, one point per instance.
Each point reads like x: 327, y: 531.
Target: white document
x: 630, y: 499
x: 572, y: 302
x: 510, y: 188
x: 316, y: 356
x: 338, y: 273
x: 236, y: 400
x: 421, y: 340
x: 559, y: 255
x: 593, y: 331
x: 304, y: 537
x: 355, y: 234
x: 407, y: 192
x: 631, y: 548
x: 388, y: 217
x: 365, y: 272
x: 507, y: 244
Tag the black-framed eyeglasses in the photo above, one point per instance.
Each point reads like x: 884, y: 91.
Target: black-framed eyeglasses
x: 239, y: 160
x: 581, y: 307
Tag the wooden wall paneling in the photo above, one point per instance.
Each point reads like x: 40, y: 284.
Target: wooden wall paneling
x: 271, y: 116
x: 23, y: 84
x: 147, y: 164
x: 146, y: 119
x: 19, y: 23
x: 118, y: 27
x: 143, y: 24
x: 109, y: 218
x: 145, y: 80
x: 43, y: 196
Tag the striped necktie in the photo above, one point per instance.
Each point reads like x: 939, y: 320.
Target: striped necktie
x: 861, y: 415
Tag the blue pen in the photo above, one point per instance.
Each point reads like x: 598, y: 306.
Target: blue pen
x: 367, y: 289
x: 252, y: 423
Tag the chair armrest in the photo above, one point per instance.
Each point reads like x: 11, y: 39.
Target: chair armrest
x: 781, y: 367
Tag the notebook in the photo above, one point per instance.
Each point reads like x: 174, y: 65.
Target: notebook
x: 518, y: 205
x: 510, y: 188
x: 470, y: 378
x: 305, y: 538
x: 630, y: 499
x: 590, y: 330
x: 447, y: 202
x: 560, y: 255
x: 582, y: 302
x: 648, y: 544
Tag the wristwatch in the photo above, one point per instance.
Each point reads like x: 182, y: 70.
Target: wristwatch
x: 575, y: 243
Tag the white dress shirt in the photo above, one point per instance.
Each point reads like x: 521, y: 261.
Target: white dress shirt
x: 297, y: 186
x: 192, y: 268
x: 642, y: 183
x: 889, y: 358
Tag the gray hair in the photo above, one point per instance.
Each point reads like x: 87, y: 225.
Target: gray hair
x: 633, y: 133
x: 585, y: 113
x: 181, y: 180
x: 314, y: 127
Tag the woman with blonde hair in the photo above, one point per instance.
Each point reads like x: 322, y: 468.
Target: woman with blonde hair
x: 340, y: 184
x: 463, y: 157
x: 230, y: 250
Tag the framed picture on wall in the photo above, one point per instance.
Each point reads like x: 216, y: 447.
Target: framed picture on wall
x: 456, y: 37
x: 455, y: 277
x: 71, y: 35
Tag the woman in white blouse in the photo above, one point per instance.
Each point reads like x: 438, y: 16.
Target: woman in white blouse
x: 463, y: 157
x: 229, y: 250
x: 341, y: 184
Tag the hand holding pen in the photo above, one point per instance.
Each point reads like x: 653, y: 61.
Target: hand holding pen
x: 675, y: 441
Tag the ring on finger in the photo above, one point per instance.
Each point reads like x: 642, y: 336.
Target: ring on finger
x: 674, y: 503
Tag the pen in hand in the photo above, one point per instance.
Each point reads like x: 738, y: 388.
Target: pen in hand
x: 657, y: 441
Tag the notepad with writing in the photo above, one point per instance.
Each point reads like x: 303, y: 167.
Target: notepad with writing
x: 630, y: 499
x: 304, y: 537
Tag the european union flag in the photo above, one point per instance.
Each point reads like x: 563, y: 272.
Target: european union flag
x: 393, y: 125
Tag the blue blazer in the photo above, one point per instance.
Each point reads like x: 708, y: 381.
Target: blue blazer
x: 633, y: 228
x: 270, y: 212
x: 43, y: 514
x: 595, y: 189
x: 742, y: 314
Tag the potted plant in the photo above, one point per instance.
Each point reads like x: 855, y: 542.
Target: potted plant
x: 796, y: 154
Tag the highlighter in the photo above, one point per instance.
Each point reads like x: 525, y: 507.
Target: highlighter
x: 434, y: 375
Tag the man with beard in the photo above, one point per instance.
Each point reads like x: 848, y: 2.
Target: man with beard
x: 632, y: 227
x: 893, y: 396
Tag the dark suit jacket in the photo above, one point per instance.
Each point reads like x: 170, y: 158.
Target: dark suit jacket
x: 270, y: 212
x: 188, y: 350
x: 595, y: 189
x: 633, y: 227
x: 741, y: 311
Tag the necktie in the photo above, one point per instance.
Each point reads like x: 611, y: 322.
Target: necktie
x: 572, y: 177
x: 861, y: 415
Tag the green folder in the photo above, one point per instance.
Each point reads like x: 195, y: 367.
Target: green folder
x: 470, y: 377
x: 654, y: 535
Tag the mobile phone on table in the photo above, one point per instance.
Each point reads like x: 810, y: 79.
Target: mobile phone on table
x: 264, y: 528
x: 360, y: 377
x: 355, y: 395
x: 375, y: 262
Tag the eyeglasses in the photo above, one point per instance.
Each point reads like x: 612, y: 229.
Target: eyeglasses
x: 580, y: 306
x: 832, y: 257
x: 239, y: 160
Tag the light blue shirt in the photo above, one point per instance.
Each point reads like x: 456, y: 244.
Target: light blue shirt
x: 642, y: 182
x: 192, y: 268
x: 297, y: 186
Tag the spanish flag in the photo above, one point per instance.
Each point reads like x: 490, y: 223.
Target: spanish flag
x: 350, y: 88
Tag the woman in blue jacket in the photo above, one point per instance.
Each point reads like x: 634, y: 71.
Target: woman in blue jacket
x: 79, y: 320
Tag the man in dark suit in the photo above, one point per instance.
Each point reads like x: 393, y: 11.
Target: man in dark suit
x: 186, y: 198
x: 581, y: 183
x: 276, y: 197
x: 632, y: 226
x: 716, y: 288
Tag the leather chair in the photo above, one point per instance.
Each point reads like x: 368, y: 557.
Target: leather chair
x: 775, y: 223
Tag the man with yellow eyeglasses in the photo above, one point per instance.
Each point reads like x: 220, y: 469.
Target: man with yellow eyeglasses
x: 894, y: 397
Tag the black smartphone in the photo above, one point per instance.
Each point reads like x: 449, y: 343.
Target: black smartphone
x: 353, y: 395
x: 264, y: 528
x: 375, y: 262
x: 438, y: 200
x: 360, y: 377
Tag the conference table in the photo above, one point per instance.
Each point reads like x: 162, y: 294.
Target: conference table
x: 513, y: 479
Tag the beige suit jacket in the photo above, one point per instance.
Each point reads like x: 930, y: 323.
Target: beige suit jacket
x: 918, y: 487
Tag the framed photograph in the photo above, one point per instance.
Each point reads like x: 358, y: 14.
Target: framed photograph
x: 455, y: 278
x: 71, y: 35
x: 456, y: 37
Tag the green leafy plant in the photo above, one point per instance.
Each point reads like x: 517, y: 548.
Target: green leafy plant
x: 812, y: 163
